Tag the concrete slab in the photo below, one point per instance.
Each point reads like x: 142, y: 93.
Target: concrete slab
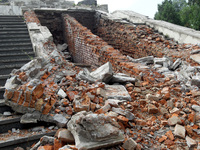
x: 117, y: 92
x: 196, y: 58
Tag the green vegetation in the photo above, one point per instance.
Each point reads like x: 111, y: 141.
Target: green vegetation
x: 180, y: 12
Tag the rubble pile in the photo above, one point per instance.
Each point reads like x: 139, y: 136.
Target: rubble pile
x: 159, y: 108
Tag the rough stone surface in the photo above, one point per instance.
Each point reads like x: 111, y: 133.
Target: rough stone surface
x: 179, y: 131
x: 89, y: 131
x: 60, y: 120
x: 65, y: 136
x: 196, y: 108
x: 174, y: 120
x: 196, y: 58
x: 121, y: 78
x: 117, y: 92
x: 130, y: 144
x: 190, y: 141
x: 103, y: 73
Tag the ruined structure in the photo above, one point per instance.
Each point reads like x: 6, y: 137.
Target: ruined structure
x: 140, y: 89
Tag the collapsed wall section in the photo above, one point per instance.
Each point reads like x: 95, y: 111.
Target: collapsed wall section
x: 53, y: 20
x: 88, y: 48
x: 134, y: 40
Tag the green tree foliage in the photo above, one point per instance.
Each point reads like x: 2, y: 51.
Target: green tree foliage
x: 167, y: 12
x: 180, y: 12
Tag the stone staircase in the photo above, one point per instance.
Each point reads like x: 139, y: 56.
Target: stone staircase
x: 15, y: 50
x: 15, y: 46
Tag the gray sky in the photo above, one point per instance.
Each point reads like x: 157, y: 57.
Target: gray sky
x: 144, y: 7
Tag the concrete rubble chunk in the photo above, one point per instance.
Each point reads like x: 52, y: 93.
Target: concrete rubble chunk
x: 130, y: 144
x: 196, y: 81
x: 190, y: 142
x: 196, y: 108
x: 65, y: 135
x: 144, y: 60
x: 85, y: 75
x: 93, y: 131
x: 118, y: 92
x: 196, y: 58
x: 7, y: 113
x: 153, y: 97
x: 103, y: 73
x: 12, y: 83
x: 165, y: 62
x: 195, y: 51
x: 179, y: 131
x: 28, y: 118
x: 122, y: 78
x: 176, y: 64
x: 174, y: 120
x: 60, y: 120
x: 62, y: 47
x: 113, y: 102
x: 61, y: 93
x: 152, y: 109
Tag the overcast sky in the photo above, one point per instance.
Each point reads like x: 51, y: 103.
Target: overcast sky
x: 144, y: 7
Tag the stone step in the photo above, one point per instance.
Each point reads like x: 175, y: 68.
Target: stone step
x: 14, y: 61
x: 11, y: 19
x: 11, y: 16
x: 4, y: 107
x: 2, y: 90
x: 7, y: 123
x: 13, y: 26
x: 15, y: 33
x: 12, y: 23
x: 15, y: 40
x: 19, y: 55
x: 3, y: 79
x: 14, y: 36
x: 6, y: 69
x: 3, y: 29
x: 15, y: 50
x: 26, y: 141
x: 8, y: 45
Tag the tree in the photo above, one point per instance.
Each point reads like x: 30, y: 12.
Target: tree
x: 192, y: 2
x: 167, y: 12
x: 179, y: 4
x: 190, y: 16
x: 180, y: 12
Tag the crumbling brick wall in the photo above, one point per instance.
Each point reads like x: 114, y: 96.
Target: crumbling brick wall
x: 53, y: 20
x: 88, y: 48
x: 134, y: 40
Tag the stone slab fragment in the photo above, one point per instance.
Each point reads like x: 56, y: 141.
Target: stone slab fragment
x: 117, y: 92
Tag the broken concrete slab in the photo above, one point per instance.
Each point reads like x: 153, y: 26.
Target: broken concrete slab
x: 60, y: 120
x: 103, y: 73
x: 85, y: 75
x: 176, y: 64
x: 196, y: 58
x: 61, y: 93
x: 118, y: 92
x: 130, y: 144
x: 190, y: 142
x: 65, y: 135
x: 144, y: 60
x: 179, y: 131
x: 122, y: 78
x: 62, y: 47
x: 28, y: 118
x: 89, y: 131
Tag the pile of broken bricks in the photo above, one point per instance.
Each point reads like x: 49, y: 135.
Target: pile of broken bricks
x: 104, y: 110
x: 101, y: 109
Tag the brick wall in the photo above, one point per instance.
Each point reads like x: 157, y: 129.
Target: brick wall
x: 134, y: 40
x: 53, y: 20
x: 88, y: 48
